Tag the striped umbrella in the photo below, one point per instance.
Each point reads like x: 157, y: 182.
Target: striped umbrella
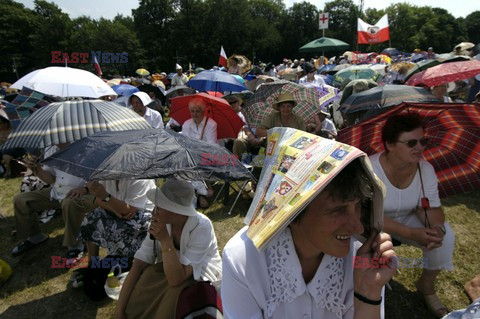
x: 260, y: 104
x: 453, y: 132
x: 68, y: 121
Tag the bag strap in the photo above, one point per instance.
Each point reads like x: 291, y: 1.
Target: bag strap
x: 424, y: 200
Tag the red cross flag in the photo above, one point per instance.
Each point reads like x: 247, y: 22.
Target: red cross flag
x: 323, y: 20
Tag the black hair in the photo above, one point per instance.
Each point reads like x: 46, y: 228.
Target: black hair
x: 398, y: 124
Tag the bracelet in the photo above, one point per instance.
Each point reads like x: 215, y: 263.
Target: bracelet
x: 167, y: 250
x: 366, y: 300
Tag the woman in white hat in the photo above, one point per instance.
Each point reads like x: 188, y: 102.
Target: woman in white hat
x: 184, y: 250
x: 139, y: 102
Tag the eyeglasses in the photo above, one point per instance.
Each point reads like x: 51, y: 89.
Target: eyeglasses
x: 412, y: 143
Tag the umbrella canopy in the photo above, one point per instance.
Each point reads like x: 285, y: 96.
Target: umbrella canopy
x: 228, y: 122
x: 125, y: 89
x: 65, y: 82
x: 242, y: 61
x: 324, y: 44
x: 371, y: 102
x: 453, y: 132
x: 391, y: 51
x: 142, y: 72
x: 348, y: 90
x: 260, y: 104
x: 446, y: 72
x: 420, y: 66
x: 174, y: 91
x: 157, y: 90
x: 68, y: 121
x: 214, y: 80
x: 145, y: 154
x: 327, y: 94
x: 355, y: 72
x: 24, y: 104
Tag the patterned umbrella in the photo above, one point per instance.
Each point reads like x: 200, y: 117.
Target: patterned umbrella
x: 68, y: 121
x: 24, y: 104
x: 214, y: 80
x: 453, y: 131
x: 355, y: 72
x: 327, y: 94
x: 260, y: 104
x: 446, y: 72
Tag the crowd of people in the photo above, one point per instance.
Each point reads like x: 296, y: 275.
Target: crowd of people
x: 307, y: 268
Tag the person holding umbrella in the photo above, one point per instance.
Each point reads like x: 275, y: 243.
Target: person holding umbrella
x: 139, y: 102
x: 180, y: 250
x: 413, y: 212
x: 283, y: 116
x: 202, y: 128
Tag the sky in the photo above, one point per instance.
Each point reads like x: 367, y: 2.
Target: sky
x: 108, y: 9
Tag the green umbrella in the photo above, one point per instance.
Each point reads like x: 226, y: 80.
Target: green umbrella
x: 324, y: 44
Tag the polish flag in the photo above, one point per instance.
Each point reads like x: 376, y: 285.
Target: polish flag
x: 222, y: 60
x: 371, y: 34
x: 96, y: 65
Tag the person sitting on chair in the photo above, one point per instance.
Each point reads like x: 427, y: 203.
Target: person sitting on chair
x: 180, y: 250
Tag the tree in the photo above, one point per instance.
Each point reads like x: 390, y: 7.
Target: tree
x: 472, y: 23
x: 343, y: 21
x: 52, y: 29
x: 16, y: 27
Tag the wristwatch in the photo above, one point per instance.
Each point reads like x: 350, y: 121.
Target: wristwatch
x: 107, y: 198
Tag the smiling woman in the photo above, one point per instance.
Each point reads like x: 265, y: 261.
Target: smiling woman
x: 306, y: 270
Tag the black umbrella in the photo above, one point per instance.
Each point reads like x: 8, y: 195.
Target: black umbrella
x: 145, y: 154
x: 376, y: 100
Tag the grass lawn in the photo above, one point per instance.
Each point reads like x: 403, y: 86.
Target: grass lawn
x: 37, y: 291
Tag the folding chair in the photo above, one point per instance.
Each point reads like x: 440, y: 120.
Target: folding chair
x: 227, y: 186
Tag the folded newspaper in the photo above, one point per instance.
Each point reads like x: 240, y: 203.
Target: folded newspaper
x: 297, y: 166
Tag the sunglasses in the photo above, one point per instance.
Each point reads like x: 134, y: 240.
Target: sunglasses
x: 412, y: 143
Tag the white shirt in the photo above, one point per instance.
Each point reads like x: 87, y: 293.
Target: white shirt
x: 198, y: 248
x: 132, y: 192
x: 327, y: 125
x: 190, y: 129
x: 316, y: 80
x: 63, y: 183
x: 153, y: 117
x: 270, y: 284
x: 179, y: 79
x: 401, y: 202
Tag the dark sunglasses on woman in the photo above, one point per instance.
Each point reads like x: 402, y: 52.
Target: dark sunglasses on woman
x: 413, y: 142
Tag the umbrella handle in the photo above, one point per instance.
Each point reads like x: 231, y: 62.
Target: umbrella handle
x: 203, y: 128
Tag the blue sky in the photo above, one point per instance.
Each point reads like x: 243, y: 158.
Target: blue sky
x: 109, y: 8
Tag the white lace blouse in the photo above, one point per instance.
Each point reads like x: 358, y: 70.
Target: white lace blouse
x: 270, y: 284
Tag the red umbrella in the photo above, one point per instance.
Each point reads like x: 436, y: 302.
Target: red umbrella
x: 446, y: 72
x: 228, y: 122
x: 453, y: 132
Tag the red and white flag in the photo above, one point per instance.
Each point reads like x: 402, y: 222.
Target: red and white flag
x: 222, y: 60
x: 370, y: 34
x: 96, y: 65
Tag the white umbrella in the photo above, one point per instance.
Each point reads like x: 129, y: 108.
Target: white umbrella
x: 65, y: 82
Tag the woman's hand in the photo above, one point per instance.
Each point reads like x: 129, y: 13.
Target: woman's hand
x: 158, y: 229
x: 76, y: 192
x: 97, y: 189
x: 427, y: 237
x: 376, y: 267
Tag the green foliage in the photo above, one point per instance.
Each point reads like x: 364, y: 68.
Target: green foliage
x: 343, y: 21
x: 472, y: 23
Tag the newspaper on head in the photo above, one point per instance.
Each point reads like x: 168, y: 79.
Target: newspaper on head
x: 297, y: 166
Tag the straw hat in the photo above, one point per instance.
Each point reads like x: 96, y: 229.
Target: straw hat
x: 174, y: 196
x: 284, y: 97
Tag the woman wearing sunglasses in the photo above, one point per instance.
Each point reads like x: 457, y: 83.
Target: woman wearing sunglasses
x: 412, y: 208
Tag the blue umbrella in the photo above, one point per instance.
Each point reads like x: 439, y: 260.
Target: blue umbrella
x: 214, y: 80
x: 124, y: 89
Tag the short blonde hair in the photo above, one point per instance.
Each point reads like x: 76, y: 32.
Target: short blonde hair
x: 197, y: 102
